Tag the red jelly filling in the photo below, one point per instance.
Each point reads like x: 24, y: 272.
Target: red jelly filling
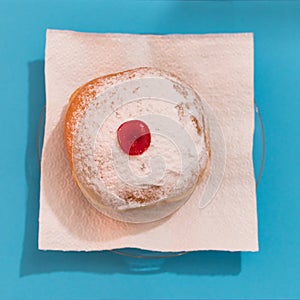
x: 134, y: 137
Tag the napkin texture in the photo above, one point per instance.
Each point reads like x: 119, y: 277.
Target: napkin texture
x: 220, y: 68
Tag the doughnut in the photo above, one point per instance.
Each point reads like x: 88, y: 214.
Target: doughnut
x: 138, y: 143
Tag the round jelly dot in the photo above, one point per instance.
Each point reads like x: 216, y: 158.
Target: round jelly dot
x: 134, y: 137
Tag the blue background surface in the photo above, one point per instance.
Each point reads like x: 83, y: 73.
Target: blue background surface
x: 26, y: 273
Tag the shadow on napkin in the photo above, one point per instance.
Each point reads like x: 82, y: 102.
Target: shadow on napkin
x: 35, y: 261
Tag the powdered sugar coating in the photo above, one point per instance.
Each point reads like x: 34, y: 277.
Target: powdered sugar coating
x: 161, y: 179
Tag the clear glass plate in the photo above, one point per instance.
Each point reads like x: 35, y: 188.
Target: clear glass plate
x: 259, y: 148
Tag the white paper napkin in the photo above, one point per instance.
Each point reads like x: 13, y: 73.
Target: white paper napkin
x: 220, y: 68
